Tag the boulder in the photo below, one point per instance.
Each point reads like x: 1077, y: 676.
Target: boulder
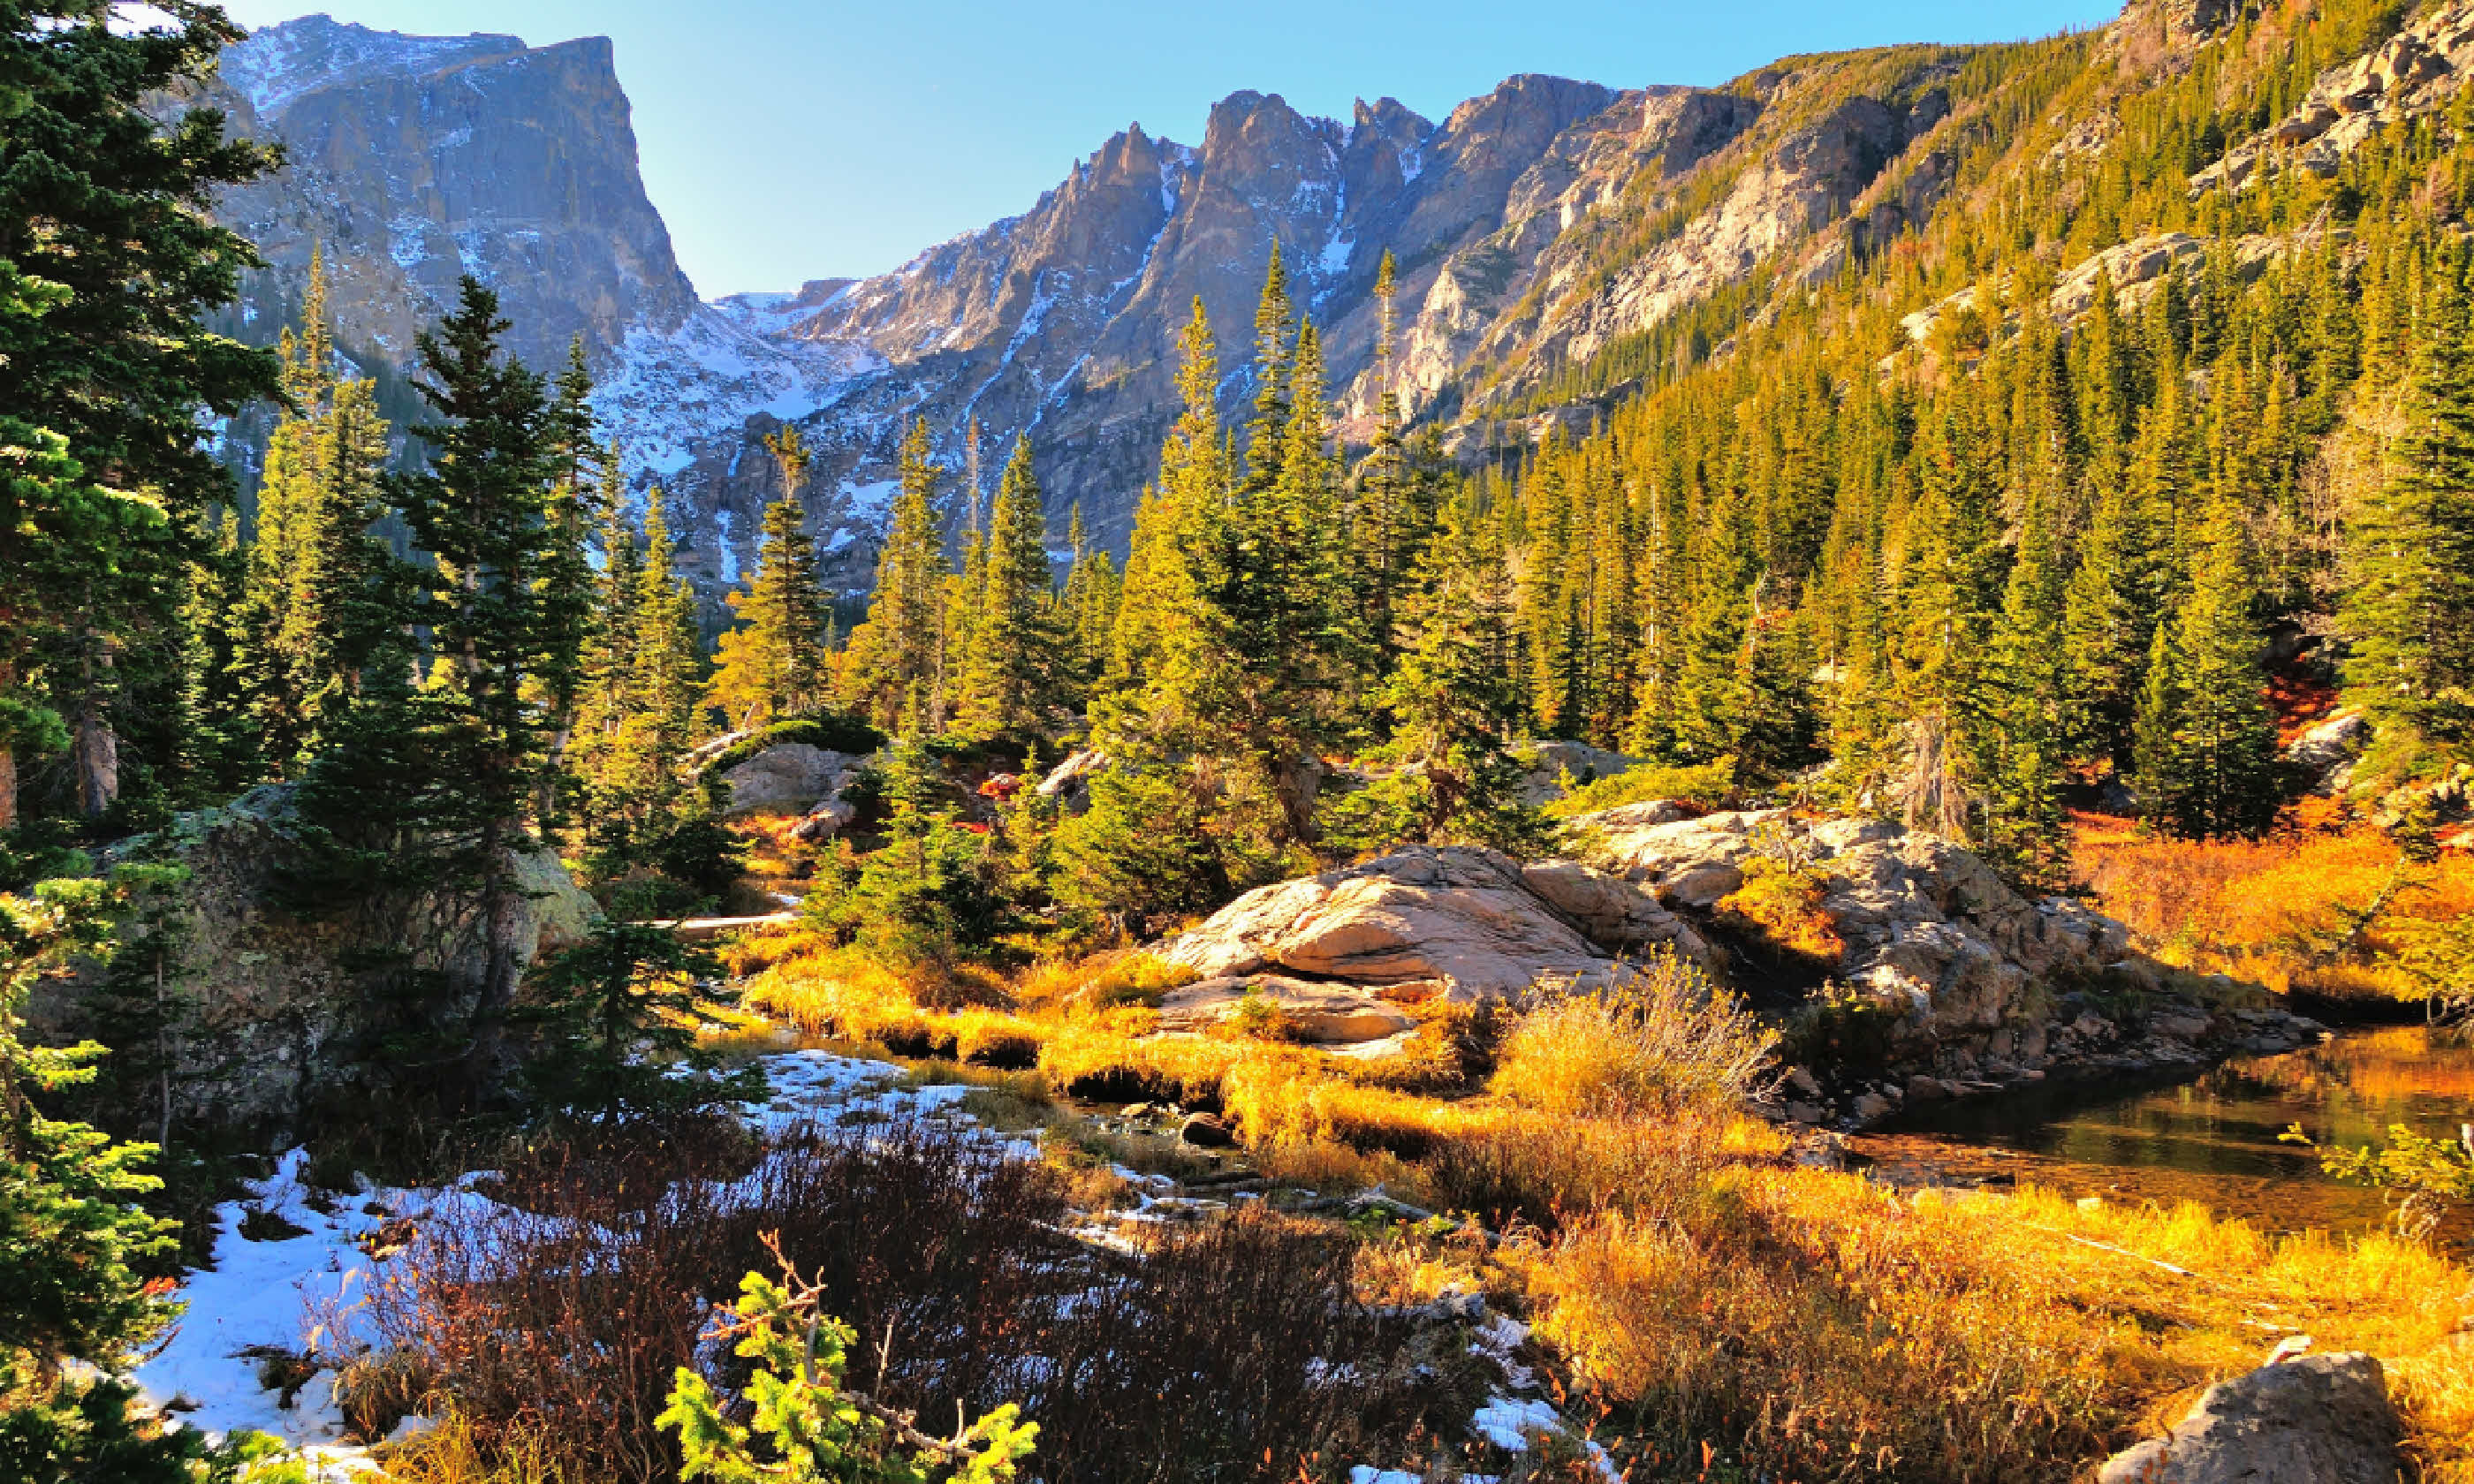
x: 2318, y: 1419
x: 2325, y: 753
x: 788, y: 777
x: 828, y: 818
x: 1069, y: 782
x: 1547, y: 762
x: 278, y: 1019
x: 1467, y: 920
x: 1321, y: 1013
x: 1928, y: 931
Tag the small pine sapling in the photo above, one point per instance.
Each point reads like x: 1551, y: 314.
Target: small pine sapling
x: 812, y: 1429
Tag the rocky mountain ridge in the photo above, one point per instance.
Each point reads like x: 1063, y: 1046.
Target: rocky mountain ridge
x: 1542, y: 227
x: 415, y: 159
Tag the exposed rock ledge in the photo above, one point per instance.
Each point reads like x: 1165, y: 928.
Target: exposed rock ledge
x: 1948, y: 982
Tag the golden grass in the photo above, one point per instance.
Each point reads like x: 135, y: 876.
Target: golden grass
x: 1843, y: 1331
x: 452, y: 1453
x: 1689, y: 1277
x: 2245, y: 907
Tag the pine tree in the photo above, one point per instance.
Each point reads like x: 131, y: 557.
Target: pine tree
x: 2410, y: 609
x: 1951, y: 593
x: 1090, y: 604
x: 894, y: 662
x: 317, y: 607
x: 1018, y: 652
x: 772, y: 665
x: 2026, y: 674
x: 2155, y: 758
x: 1151, y: 697
x: 482, y: 511
x: 2224, y: 759
x: 1453, y: 697
x: 106, y: 374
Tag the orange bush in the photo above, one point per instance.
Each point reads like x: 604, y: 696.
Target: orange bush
x: 2266, y: 910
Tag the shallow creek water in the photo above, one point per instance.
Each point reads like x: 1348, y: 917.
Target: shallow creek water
x: 2211, y: 1139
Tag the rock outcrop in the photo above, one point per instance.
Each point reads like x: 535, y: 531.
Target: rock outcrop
x: 1956, y: 977
x: 1465, y: 923
x: 789, y: 778
x: 275, y: 996
x: 1942, y: 980
x: 2415, y: 72
x: 2323, y: 754
x: 2316, y: 1419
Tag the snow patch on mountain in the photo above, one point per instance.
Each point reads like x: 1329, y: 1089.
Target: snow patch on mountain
x: 673, y: 390
x: 281, y: 64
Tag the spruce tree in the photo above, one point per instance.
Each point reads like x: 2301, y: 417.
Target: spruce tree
x: 106, y: 262
x: 1453, y: 697
x: 2409, y: 608
x: 891, y: 667
x: 2223, y: 779
x: 2025, y: 743
x: 1018, y: 650
x: 772, y: 665
x: 482, y: 511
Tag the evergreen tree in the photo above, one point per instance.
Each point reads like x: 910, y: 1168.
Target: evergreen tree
x: 2155, y: 757
x: 1453, y: 696
x: 2410, y: 548
x: 2026, y: 674
x: 894, y: 662
x: 1090, y: 604
x: 107, y: 377
x: 2224, y: 760
x: 73, y: 1240
x: 317, y: 606
x: 1018, y: 652
x: 482, y: 511
x: 772, y: 666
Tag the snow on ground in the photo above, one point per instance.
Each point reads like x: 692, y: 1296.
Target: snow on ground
x: 273, y: 1293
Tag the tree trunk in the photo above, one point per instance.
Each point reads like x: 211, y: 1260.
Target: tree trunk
x: 8, y: 750
x: 498, y: 966
x: 1295, y: 781
x: 97, y: 746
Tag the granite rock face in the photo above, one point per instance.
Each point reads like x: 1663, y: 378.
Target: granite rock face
x: 279, y: 1022
x: 2316, y: 1419
x: 1466, y: 922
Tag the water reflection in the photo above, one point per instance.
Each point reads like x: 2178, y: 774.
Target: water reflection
x: 2212, y: 1138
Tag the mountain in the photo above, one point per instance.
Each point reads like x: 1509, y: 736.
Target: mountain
x: 415, y: 160
x: 1556, y: 239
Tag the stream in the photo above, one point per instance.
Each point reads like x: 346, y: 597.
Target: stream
x: 2211, y: 1139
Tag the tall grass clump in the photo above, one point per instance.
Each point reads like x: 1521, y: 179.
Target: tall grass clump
x: 1665, y: 1044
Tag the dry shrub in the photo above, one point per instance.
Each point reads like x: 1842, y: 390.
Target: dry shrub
x: 2435, y: 1390
x: 1782, y: 905
x: 1542, y: 1170
x: 556, y: 1313
x: 2264, y: 910
x: 1833, y: 1329
x: 456, y: 1452
x: 1667, y: 1042
x: 1100, y: 981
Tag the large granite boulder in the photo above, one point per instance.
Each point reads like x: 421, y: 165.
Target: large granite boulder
x: 1975, y: 980
x: 1318, y: 1013
x: 1470, y: 922
x: 788, y: 777
x: 2318, y: 1420
x: 281, y: 1010
x: 1549, y: 764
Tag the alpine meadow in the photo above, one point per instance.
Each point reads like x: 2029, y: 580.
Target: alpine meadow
x: 1756, y: 784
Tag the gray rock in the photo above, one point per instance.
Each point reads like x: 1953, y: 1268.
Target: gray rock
x: 1550, y: 762
x: 2325, y: 753
x: 2318, y: 1419
x: 1324, y: 1013
x: 1470, y: 920
x: 786, y: 778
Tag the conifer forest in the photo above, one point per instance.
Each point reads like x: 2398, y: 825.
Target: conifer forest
x: 1768, y: 782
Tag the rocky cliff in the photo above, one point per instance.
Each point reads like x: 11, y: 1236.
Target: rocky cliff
x: 1546, y: 228
x: 1533, y: 225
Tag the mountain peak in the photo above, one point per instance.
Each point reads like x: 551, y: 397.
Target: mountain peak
x: 282, y: 64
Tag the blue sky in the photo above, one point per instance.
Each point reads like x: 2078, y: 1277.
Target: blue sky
x: 792, y: 139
